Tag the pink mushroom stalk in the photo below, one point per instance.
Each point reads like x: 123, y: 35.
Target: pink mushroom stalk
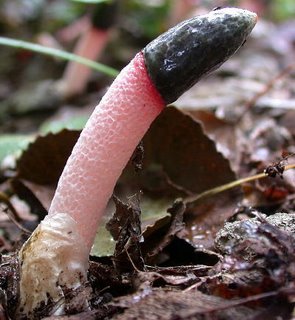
x: 91, y: 46
x: 56, y: 255
x: 76, y: 75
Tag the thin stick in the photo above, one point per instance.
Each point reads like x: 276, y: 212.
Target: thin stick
x: 238, y: 302
x: 5, y: 199
x: 230, y: 185
x: 285, y: 72
x: 12, y: 214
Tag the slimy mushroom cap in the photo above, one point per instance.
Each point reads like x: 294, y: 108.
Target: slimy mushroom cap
x: 177, y: 59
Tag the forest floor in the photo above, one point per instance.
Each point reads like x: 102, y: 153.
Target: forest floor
x: 222, y: 254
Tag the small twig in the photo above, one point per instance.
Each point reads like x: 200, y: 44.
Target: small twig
x: 12, y: 213
x: 239, y: 302
x: 251, y: 103
x: 23, y: 229
x: 131, y: 261
x: 285, y: 72
x: 5, y: 199
x: 230, y: 185
x: 103, y: 290
x: 68, y: 295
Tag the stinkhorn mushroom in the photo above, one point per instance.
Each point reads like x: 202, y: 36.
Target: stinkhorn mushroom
x: 55, y: 258
x: 90, y: 46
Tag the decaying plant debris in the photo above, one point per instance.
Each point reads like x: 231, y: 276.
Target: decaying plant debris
x: 169, y: 261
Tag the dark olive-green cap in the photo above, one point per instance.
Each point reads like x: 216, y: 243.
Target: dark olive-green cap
x: 177, y: 59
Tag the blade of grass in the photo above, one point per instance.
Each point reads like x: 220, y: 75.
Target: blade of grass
x: 109, y: 71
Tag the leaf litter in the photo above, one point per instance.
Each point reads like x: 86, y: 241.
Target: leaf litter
x: 229, y: 256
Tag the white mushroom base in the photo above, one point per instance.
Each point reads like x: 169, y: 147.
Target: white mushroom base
x: 54, y: 260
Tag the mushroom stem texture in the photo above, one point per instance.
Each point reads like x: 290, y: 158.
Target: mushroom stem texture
x: 114, y: 129
x: 55, y: 258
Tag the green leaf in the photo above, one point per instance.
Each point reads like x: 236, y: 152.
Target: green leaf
x: 11, y: 144
x: 75, y: 122
x: 154, y: 216
x: 104, y: 244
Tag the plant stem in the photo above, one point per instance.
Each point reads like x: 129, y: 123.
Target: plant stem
x: 227, y: 186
